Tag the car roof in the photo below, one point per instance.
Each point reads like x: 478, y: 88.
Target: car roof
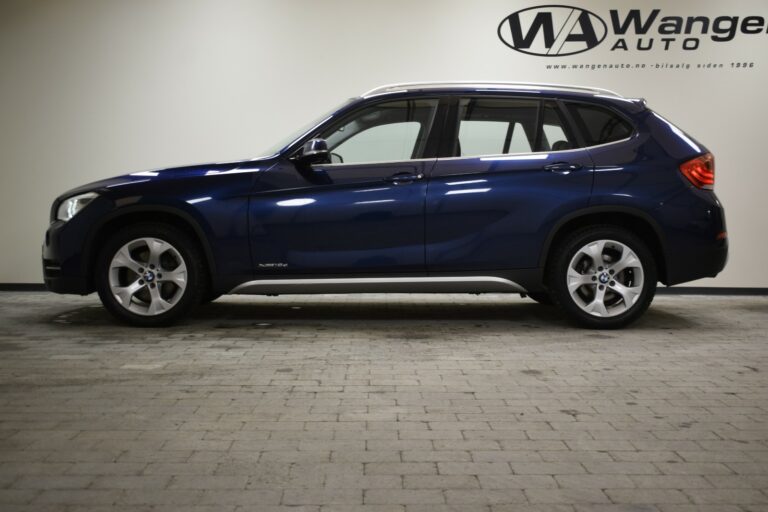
x: 526, y: 88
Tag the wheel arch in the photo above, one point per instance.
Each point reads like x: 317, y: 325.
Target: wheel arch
x: 135, y: 214
x: 637, y: 221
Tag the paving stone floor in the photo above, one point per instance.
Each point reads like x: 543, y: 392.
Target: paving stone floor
x: 383, y: 403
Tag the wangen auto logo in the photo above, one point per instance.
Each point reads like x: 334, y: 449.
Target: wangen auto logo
x: 560, y: 30
x: 552, y: 30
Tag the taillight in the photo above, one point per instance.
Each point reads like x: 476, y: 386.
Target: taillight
x: 700, y: 171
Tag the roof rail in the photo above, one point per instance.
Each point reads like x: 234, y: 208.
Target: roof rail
x: 491, y: 84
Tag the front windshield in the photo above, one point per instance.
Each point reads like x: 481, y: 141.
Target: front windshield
x: 286, y: 141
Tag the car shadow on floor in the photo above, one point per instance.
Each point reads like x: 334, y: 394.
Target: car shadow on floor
x: 755, y: 308
x: 225, y: 314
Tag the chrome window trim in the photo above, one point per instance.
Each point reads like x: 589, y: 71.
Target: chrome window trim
x: 378, y: 162
x: 496, y: 155
x: 501, y: 156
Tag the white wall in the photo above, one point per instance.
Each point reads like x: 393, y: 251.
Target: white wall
x: 90, y: 89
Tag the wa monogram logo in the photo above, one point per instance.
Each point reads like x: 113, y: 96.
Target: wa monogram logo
x: 552, y: 30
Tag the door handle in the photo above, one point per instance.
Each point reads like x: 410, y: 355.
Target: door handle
x: 562, y: 167
x: 404, y: 177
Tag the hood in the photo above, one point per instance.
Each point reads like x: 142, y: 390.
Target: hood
x: 188, y: 171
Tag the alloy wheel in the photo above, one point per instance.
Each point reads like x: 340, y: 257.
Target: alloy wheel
x: 605, y: 278
x: 148, y: 276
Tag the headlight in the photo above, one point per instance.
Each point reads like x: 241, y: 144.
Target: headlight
x: 69, y: 207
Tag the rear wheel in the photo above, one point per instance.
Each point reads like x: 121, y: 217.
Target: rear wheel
x: 541, y: 297
x: 603, y: 277
x: 150, y: 274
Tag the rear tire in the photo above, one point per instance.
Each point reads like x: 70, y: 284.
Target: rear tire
x: 150, y: 275
x: 603, y: 277
x: 542, y: 298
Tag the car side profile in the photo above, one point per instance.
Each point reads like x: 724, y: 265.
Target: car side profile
x: 574, y: 196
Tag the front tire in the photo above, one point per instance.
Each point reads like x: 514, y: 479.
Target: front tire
x: 210, y: 297
x: 150, y: 275
x: 603, y: 277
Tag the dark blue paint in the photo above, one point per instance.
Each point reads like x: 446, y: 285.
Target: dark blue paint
x: 339, y: 219
x: 493, y: 212
x: 271, y: 217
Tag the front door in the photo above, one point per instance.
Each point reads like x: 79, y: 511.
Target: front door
x: 361, y: 212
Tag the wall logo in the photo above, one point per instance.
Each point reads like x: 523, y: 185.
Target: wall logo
x: 552, y: 30
x: 560, y: 30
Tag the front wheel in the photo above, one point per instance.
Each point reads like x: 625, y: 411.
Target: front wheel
x: 603, y: 277
x: 210, y: 297
x: 150, y: 274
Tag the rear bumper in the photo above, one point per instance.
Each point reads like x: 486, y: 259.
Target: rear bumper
x: 704, y: 263
x: 697, y: 244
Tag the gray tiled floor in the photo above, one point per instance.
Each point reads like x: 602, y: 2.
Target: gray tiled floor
x: 383, y: 403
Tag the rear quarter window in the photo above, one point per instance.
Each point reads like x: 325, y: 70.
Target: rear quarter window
x: 599, y: 125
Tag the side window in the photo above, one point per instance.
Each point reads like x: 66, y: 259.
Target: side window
x: 477, y: 137
x: 599, y: 125
x: 495, y: 126
x: 385, y: 132
x: 553, y: 130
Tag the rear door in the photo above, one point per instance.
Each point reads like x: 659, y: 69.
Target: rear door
x: 512, y: 170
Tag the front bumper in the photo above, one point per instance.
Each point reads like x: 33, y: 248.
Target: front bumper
x: 62, y: 269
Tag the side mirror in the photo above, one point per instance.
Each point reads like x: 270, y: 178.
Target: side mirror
x: 315, y: 151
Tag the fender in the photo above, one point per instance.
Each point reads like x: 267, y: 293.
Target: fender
x: 141, y: 208
x: 592, y: 210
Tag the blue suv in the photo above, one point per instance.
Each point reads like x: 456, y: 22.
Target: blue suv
x: 574, y: 196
